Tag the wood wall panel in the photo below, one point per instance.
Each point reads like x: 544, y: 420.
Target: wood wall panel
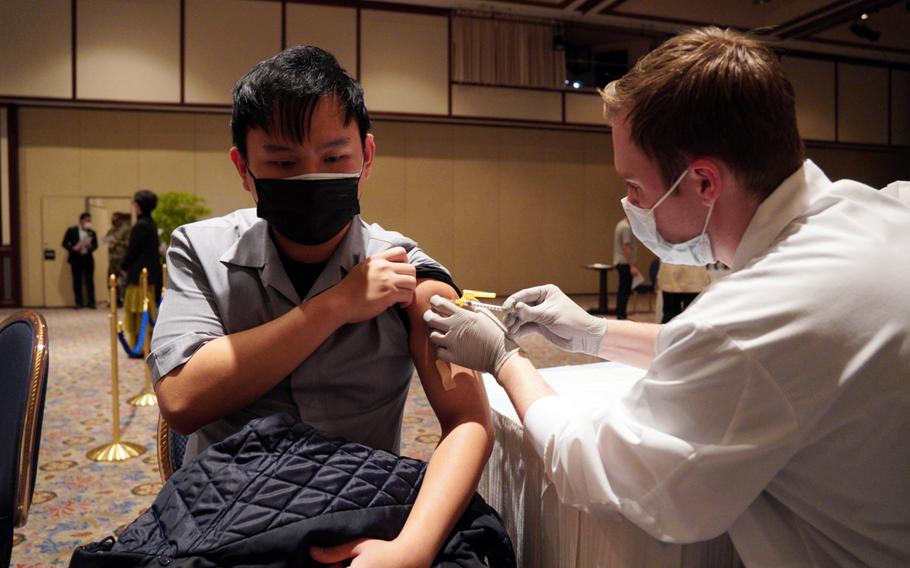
x: 429, y: 178
x: 405, y: 65
x: 224, y: 38
x: 166, y: 150
x: 504, y: 103
x: 813, y: 84
x: 36, y: 48
x: 862, y: 104
x: 384, y: 194
x: 332, y: 28
x: 585, y: 109
x: 128, y: 50
x: 900, y: 109
x: 478, y: 208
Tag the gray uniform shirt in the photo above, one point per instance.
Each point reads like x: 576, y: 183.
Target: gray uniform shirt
x: 225, y: 276
x: 622, y: 235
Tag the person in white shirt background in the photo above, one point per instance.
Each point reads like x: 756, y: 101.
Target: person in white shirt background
x: 624, y: 257
x: 777, y: 406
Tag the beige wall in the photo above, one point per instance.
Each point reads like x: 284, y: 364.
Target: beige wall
x: 877, y: 167
x: 500, y: 103
x: 36, y: 48
x: 862, y: 104
x: 814, y: 86
x: 405, y: 62
x: 502, y: 207
x: 128, y: 51
x: 112, y: 154
x: 224, y: 38
x: 332, y: 28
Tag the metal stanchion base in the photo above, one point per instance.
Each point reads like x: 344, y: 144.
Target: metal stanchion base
x: 115, y: 452
x: 144, y: 399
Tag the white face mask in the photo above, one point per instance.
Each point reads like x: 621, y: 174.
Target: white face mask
x: 697, y: 251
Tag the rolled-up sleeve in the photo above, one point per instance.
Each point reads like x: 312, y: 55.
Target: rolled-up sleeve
x: 189, y: 313
x: 684, y: 452
x: 429, y: 268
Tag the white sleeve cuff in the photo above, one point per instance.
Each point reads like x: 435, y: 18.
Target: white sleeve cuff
x: 547, y: 417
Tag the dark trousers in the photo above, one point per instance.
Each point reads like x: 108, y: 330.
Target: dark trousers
x: 624, y: 291
x: 83, y: 268
x: 675, y: 303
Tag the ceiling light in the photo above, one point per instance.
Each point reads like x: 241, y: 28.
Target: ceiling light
x: 862, y: 30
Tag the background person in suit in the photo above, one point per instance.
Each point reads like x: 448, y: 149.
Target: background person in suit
x: 80, y: 240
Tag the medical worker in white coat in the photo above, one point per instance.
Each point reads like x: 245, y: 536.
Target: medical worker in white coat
x: 777, y: 407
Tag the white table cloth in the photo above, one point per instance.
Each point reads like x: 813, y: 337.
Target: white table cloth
x: 549, y: 534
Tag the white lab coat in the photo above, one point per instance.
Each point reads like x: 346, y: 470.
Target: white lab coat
x: 778, y: 405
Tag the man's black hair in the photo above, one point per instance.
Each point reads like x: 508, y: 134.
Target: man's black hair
x: 84, y: 215
x: 280, y: 93
x: 146, y: 200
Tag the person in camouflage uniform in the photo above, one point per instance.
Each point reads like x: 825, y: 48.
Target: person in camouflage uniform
x: 117, y: 238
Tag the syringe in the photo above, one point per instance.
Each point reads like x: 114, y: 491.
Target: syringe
x: 469, y: 298
x: 491, y: 307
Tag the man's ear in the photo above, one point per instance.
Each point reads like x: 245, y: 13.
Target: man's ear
x: 369, y: 152
x: 712, y: 177
x: 240, y: 165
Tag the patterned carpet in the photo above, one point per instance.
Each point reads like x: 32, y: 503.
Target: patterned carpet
x: 77, y: 500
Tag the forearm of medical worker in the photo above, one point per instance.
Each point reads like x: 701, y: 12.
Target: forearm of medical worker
x: 630, y: 342
x: 523, y: 383
x: 466, y: 438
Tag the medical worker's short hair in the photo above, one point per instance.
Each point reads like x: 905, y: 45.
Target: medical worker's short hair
x: 712, y: 93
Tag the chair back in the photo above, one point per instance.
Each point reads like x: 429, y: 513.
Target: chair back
x: 23, y: 382
x: 171, y: 447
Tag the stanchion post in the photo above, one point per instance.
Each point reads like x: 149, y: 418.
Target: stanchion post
x: 146, y: 398
x: 115, y: 451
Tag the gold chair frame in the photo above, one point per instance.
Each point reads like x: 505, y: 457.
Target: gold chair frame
x: 35, y: 403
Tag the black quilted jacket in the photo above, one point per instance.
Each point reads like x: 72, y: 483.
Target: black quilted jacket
x: 266, y: 494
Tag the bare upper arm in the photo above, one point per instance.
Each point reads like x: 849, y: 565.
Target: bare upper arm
x: 468, y: 400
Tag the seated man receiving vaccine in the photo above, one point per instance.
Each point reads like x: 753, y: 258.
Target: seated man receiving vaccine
x: 300, y: 307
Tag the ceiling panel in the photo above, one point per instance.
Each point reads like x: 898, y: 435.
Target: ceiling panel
x: 802, y: 25
x: 892, y: 23
x: 744, y: 14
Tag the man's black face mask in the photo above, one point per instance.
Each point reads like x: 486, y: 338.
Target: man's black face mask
x: 309, y: 209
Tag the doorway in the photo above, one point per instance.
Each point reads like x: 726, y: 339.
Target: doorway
x: 59, y: 212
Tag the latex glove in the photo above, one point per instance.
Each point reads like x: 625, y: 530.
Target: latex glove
x: 546, y: 310
x: 472, y: 338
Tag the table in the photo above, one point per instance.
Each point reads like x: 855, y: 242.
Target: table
x: 602, y: 269
x: 549, y: 534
